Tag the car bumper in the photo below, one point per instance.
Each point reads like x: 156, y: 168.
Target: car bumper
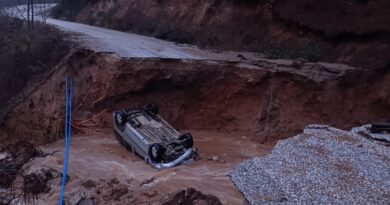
x: 180, y: 160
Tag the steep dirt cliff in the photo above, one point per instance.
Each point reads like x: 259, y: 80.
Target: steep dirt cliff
x: 355, y: 32
x: 262, y: 101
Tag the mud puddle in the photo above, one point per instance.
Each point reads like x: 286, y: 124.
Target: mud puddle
x: 99, y: 156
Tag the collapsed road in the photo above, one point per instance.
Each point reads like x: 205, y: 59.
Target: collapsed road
x: 129, y: 45
x: 235, y: 109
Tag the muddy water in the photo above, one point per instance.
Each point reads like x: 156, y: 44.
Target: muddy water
x: 99, y: 156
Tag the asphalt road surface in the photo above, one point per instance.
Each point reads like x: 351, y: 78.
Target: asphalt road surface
x: 128, y: 45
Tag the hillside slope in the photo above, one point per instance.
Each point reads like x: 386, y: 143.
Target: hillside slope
x: 355, y: 32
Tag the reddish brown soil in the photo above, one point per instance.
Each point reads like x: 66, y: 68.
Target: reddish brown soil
x: 192, y: 196
x: 228, y: 107
x: 206, y: 96
x: 355, y: 32
x: 106, y: 172
x: 358, y: 17
x: 17, y: 154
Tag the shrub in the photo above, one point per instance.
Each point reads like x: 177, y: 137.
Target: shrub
x: 25, y: 54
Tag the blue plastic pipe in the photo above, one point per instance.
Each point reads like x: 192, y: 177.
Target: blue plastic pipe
x: 68, y: 126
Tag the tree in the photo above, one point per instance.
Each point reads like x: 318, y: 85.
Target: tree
x: 28, y: 13
x: 32, y: 13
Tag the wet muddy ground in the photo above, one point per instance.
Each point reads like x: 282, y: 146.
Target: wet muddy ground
x: 94, y: 157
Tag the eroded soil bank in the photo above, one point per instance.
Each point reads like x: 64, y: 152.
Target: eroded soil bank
x: 260, y: 99
x: 235, y: 111
x: 354, y: 32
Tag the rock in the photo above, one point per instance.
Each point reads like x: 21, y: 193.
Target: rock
x: 150, y: 194
x: 323, y: 165
x: 147, y: 181
x: 192, y: 196
x: 80, y: 199
x: 86, y: 202
x: 114, y: 180
x: 112, y: 191
x: 213, y: 158
x: 3, y: 156
x: 76, y: 199
x: 119, y: 191
x: 89, y: 184
x: 241, y: 57
x: 106, y: 192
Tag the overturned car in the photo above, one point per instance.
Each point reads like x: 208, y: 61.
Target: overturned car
x: 148, y: 135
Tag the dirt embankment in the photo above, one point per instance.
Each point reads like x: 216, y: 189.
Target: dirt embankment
x: 196, y: 95
x: 25, y: 55
x: 354, y: 32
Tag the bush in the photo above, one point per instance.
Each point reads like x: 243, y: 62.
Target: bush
x: 24, y: 54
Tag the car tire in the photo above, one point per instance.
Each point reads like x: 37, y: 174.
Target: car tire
x: 153, y: 108
x: 120, y: 118
x: 188, y: 140
x: 156, y: 152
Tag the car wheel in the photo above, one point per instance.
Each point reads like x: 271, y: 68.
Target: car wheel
x: 188, y: 142
x: 156, y: 152
x: 120, y: 118
x: 153, y: 108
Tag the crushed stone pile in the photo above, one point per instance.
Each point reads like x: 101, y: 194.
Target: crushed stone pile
x: 323, y: 165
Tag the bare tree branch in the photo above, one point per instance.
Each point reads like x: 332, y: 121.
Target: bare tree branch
x: 32, y: 13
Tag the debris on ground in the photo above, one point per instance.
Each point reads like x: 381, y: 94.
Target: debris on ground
x: 112, y: 190
x: 365, y: 131
x: 28, y: 185
x: 80, y: 199
x: 323, y: 165
x: 192, y: 196
x: 216, y: 158
x: 13, y: 158
x: 89, y: 184
x: 36, y: 183
x: 19, y: 183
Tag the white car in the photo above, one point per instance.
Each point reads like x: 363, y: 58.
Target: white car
x: 148, y: 135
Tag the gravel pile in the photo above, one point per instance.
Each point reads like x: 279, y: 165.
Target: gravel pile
x: 323, y: 165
